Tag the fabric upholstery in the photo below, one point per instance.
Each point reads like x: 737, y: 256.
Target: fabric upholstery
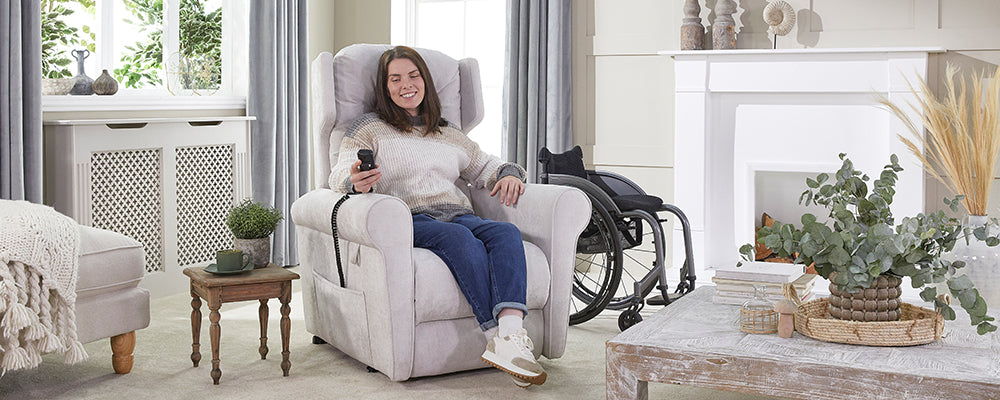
x: 401, y: 311
x: 108, y: 262
x: 569, y: 162
x: 109, y: 301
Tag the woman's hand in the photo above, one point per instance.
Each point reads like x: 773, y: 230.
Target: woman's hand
x: 509, y: 188
x: 364, y: 180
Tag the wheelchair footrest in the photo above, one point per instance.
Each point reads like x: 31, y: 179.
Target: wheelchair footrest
x: 658, y: 299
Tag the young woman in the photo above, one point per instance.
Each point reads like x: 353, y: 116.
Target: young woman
x: 419, y: 157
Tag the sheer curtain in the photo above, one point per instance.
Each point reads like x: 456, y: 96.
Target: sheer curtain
x: 537, y: 80
x: 20, y: 100
x: 278, y: 97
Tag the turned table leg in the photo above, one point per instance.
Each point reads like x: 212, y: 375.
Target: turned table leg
x: 121, y: 352
x: 286, y: 326
x: 195, y: 328
x: 262, y: 314
x: 215, y: 331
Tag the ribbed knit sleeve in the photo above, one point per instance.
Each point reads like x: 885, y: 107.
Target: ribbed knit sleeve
x: 360, y: 135
x: 485, y: 169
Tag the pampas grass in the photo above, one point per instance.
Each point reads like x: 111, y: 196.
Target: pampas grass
x: 963, y: 134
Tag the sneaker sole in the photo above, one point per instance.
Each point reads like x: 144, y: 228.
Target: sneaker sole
x: 534, y: 380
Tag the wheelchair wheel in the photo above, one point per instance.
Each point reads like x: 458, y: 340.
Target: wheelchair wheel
x: 597, y: 269
x: 638, y: 258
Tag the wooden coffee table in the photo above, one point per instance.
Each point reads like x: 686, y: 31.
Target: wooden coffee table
x: 259, y: 284
x: 695, y: 342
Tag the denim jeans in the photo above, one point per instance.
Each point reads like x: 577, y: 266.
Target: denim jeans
x: 485, y: 257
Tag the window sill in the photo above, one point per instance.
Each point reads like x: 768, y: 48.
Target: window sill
x: 132, y: 102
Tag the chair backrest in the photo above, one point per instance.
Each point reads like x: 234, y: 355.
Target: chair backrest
x: 343, y: 88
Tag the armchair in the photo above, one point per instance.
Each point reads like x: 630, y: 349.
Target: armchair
x: 401, y: 311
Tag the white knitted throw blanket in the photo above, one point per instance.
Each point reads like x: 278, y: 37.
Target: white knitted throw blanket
x: 39, y: 252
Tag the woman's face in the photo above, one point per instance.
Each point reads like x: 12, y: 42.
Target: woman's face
x: 406, y: 86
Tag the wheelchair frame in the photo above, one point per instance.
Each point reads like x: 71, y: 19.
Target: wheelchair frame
x: 656, y: 276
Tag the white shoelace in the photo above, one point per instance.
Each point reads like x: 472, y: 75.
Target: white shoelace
x: 523, y: 343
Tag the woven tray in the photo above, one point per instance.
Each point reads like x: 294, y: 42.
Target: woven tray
x: 916, y: 326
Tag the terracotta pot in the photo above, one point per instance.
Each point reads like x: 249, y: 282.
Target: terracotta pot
x: 880, y: 302
x: 259, y: 249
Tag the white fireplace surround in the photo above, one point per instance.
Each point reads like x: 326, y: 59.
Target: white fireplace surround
x: 743, y: 114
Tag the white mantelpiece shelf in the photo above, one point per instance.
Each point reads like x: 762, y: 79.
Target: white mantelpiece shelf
x: 736, y: 111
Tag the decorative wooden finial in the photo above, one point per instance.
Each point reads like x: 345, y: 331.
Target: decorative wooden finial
x: 724, y: 28
x: 692, y: 31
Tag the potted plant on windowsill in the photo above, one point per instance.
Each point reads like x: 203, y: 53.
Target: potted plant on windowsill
x: 252, y: 224
x: 865, y: 254
x: 961, y: 149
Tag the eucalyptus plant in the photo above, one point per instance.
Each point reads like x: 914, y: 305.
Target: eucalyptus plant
x: 864, y: 241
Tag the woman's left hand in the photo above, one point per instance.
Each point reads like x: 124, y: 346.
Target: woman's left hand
x: 509, y: 188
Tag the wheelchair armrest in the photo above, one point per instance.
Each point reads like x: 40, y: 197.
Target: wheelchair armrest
x: 370, y: 219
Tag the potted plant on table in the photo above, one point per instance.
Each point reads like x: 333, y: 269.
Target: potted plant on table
x: 252, y: 224
x: 960, y: 150
x: 865, y: 254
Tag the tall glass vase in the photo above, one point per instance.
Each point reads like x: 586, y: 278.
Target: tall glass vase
x: 982, y: 262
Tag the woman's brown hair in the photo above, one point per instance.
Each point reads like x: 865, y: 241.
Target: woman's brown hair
x: 395, y: 115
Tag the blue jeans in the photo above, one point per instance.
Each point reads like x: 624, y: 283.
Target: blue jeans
x: 485, y: 257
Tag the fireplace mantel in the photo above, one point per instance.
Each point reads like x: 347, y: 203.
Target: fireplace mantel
x: 742, y: 113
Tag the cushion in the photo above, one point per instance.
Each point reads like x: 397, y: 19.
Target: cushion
x: 567, y: 163
x: 109, y: 261
x: 437, y: 296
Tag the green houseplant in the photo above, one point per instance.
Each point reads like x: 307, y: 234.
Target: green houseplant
x: 252, y: 224
x: 863, y: 244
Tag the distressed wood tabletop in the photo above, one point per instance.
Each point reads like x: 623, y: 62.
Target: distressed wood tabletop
x: 698, y: 343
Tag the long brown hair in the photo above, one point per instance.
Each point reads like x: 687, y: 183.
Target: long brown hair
x: 388, y: 111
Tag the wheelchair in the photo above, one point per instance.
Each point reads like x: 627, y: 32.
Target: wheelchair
x: 621, y: 254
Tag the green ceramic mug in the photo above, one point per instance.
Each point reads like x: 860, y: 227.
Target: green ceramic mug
x: 231, y: 260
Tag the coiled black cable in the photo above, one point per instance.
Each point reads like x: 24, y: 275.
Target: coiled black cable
x: 336, y: 240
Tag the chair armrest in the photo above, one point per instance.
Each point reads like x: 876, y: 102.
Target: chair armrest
x: 370, y: 219
x: 552, y: 218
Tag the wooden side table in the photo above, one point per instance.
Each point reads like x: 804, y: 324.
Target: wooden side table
x: 259, y: 284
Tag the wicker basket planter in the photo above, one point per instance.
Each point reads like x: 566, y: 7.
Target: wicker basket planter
x: 916, y: 325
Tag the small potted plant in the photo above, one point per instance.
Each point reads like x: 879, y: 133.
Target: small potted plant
x: 252, y: 224
x: 863, y: 252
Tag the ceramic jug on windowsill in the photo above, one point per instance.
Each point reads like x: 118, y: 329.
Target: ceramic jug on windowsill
x: 83, y: 85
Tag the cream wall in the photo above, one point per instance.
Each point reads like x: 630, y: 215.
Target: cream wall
x: 623, y: 106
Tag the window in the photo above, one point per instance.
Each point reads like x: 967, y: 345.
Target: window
x: 462, y: 29
x: 151, y: 47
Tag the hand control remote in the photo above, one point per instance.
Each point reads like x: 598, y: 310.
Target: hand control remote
x: 367, y: 159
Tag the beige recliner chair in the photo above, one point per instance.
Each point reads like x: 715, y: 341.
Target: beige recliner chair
x: 401, y: 311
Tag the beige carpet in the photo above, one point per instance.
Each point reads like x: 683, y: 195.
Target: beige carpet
x: 163, y: 367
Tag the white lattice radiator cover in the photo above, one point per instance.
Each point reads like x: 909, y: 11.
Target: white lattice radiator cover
x: 167, y: 183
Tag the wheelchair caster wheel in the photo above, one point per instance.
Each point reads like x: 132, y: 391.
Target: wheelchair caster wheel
x: 628, y: 318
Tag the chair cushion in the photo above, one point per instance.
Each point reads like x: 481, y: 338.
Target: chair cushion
x: 645, y: 202
x: 437, y: 296
x: 109, y: 261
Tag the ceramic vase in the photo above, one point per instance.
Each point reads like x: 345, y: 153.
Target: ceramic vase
x: 880, y: 302
x: 982, y: 263
x: 84, y: 83
x: 259, y: 249
x: 105, y: 84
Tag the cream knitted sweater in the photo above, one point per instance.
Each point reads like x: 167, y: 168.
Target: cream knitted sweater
x: 422, y: 170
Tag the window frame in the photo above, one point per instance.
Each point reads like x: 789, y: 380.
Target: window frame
x: 235, y: 71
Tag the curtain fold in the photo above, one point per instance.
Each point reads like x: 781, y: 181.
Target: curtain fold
x: 537, y: 80
x: 20, y: 100
x: 278, y: 98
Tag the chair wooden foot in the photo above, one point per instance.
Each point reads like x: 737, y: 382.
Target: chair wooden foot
x: 121, y: 350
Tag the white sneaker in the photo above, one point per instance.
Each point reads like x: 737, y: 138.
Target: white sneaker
x: 520, y: 382
x: 512, y: 354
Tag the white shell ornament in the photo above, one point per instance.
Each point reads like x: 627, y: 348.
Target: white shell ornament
x: 780, y: 17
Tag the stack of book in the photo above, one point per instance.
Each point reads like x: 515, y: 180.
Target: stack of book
x: 734, y: 285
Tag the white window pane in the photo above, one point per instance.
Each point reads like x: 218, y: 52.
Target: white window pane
x: 440, y: 26
x: 484, y: 38
x: 137, y: 44
x: 57, y: 19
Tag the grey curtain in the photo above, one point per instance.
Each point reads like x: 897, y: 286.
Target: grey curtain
x: 278, y: 98
x: 537, y: 80
x: 20, y: 100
